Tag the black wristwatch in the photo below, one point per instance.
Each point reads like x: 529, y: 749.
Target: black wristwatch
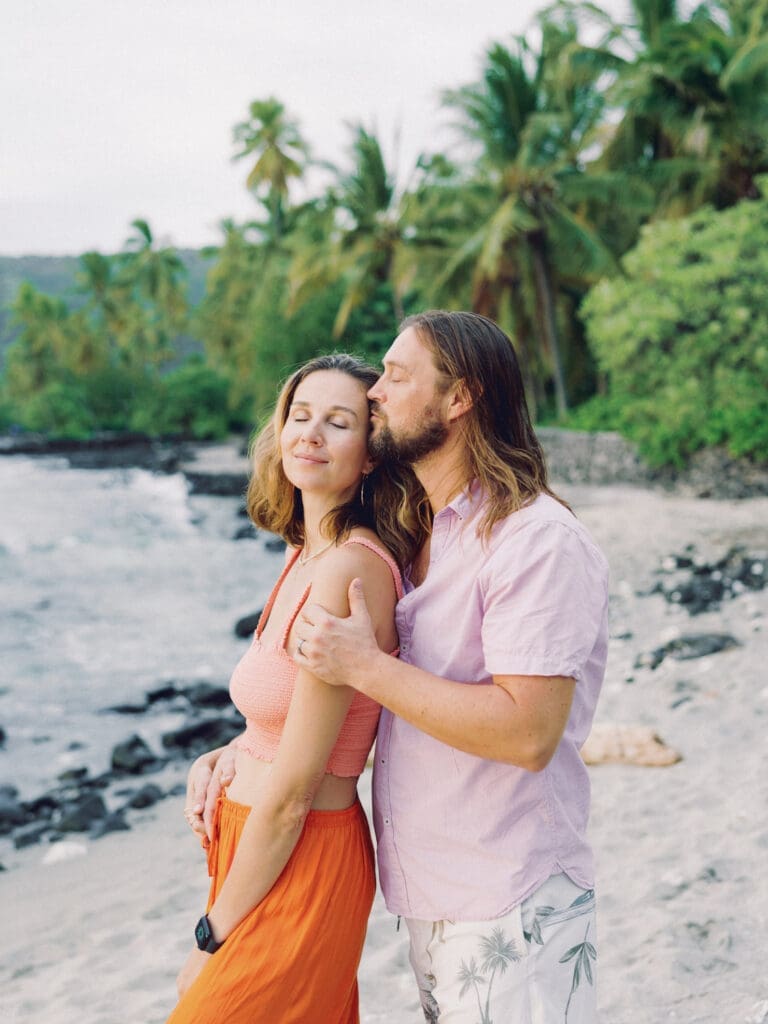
x: 204, y: 936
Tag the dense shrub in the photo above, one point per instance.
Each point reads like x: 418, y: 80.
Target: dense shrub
x: 683, y: 337
x: 191, y: 400
x: 59, y: 409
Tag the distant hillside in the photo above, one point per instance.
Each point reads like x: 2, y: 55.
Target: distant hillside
x: 55, y: 275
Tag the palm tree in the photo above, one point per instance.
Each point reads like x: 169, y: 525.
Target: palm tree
x: 529, y: 119
x: 107, y: 300
x: 40, y: 351
x: 224, y: 316
x: 356, y: 235
x: 280, y: 154
x: 693, y: 99
x: 155, y: 307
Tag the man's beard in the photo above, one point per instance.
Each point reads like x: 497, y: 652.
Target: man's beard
x: 409, y: 448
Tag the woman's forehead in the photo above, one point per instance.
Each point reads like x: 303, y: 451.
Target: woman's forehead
x: 331, y: 388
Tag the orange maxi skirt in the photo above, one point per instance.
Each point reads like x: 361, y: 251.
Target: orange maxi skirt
x: 294, y: 958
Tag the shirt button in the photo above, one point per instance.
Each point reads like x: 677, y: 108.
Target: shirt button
x: 386, y: 821
x: 382, y: 760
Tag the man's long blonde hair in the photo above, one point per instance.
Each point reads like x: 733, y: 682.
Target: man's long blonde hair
x: 502, y: 451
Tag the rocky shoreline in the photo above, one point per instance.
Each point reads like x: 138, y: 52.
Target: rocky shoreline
x: 574, y: 457
x: 79, y: 802
x: 679, y: 841
x: 97, y: 805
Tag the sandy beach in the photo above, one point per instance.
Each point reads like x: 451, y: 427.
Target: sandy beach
x: 96, y: 930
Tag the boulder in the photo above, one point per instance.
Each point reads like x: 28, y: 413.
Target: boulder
x: 198, y: 737
x: 684, y: 648
x: 133, y: 756
x: 80, y: 815
x: 145, y: 797
x: 114, y: 822
x: 246, y: 627
x: 12, y: 811
x: 29, y: 835
x: 245, y: 532
x: 207, y: 695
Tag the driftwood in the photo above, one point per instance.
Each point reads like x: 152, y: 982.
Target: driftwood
x: 609, y: 743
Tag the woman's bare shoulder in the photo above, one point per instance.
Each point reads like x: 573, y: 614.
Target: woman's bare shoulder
x: 346, y: 561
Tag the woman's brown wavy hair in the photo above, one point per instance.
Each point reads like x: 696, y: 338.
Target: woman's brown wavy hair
x: 502, y: 450
x: 395, y: 505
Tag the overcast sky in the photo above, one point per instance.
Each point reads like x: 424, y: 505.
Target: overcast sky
x: 117, y: 109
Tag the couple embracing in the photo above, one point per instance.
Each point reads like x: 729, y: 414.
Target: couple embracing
x: 439, y: 598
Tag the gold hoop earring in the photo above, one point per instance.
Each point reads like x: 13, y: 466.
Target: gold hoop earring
x: 362, y: 489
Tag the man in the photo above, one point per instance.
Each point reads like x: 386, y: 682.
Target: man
x: 480, y: 797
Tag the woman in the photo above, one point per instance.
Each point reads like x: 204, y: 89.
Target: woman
x: 291, y: 857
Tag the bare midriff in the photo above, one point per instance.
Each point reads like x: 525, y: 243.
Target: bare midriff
x: 333, y: 794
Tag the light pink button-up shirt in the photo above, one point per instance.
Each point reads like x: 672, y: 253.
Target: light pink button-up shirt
x: 460, y: 837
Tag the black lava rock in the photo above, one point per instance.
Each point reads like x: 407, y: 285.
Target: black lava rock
x: 207, y: 695
x: 695, y: 645
x: 127, y: 709
x: 706, y: 584
x: 197, y: 737
x: 81, y: 815
x: 165, y: 692
x: 246, y: 532
x: 12, y: 811
x: 30, y: 835
x: 133, y: 756
x: 146, y: 796
x: 114, y: 822
x: 245, y: 627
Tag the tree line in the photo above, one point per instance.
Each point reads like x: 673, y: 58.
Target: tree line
x: 579, y: 145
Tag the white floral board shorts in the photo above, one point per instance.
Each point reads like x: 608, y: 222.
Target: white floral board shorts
x: 534, y: 965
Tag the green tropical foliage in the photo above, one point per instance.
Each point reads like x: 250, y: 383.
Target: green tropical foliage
x: 693, y: 100
x: 596, y: 203
x: 682, y: 336
x: 529, y: 230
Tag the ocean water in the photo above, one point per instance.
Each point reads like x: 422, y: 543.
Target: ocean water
x: 112, y: 582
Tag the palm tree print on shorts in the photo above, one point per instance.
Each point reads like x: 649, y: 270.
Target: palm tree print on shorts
x: 497, y: 953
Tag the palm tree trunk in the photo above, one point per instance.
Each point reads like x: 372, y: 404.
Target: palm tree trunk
x: 547, y: 317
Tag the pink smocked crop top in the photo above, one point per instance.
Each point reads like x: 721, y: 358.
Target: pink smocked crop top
x: 262, y: 684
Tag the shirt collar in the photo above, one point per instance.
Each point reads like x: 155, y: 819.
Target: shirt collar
x: 465, y: 503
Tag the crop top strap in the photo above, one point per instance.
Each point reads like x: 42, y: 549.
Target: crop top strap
x: 384, y: 556
x: 292, y: 617
x: 267, y: 611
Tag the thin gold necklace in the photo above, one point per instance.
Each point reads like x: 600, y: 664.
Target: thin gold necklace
x: 303, y: 559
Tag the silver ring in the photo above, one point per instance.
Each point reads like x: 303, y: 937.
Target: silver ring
x: 298, y: 649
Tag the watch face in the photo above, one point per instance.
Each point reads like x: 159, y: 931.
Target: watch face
x: 202, y: 933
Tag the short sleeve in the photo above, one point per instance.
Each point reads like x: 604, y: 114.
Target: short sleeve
x: 545, y: 592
